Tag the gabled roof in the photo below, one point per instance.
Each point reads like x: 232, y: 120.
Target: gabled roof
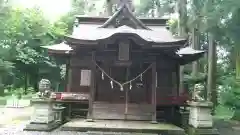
x: 60, y: 47
x: 187, y: 55
x: 94, y: 33
x: 123, y: 24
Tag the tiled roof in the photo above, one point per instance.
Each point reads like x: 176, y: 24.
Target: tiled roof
x: 89, y: 32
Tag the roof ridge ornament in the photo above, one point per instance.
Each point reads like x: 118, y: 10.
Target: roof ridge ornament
x: 124, y: 15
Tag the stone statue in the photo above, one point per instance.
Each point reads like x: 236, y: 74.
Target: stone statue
x: 197, y: 91
x: 44, y: 89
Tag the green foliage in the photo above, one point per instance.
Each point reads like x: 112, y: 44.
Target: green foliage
x: 223, y: 112
x: 155, y: 8
x: 230, y: 91
x: 173, y: 25
x: 22, y: 32
x: 11, y: 90
x: 200, y: 78
x: 63, y: 71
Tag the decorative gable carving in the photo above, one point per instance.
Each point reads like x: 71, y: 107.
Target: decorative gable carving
x: 124, y: 17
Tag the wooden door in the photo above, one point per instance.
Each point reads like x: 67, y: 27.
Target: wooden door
x: 119, y: 74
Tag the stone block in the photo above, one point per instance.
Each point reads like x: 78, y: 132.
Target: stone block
x: 42, y: 114
x: 200, y: 115
x: 43, y: 118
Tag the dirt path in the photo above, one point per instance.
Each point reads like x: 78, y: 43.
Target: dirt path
x: 14, y: 115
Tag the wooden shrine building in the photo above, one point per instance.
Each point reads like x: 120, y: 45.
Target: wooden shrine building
x: 126, y: 68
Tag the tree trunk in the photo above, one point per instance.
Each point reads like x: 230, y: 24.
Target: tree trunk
x: 236, y: 115
x: 27, y: 82
x: 1, y: 87
x: 195, y: 36
x: 159, y: 12
x: 195, y: 45
x: 211, y: 84
x: 109, y: 4
x: 182, y: 10
x: 237, y: 64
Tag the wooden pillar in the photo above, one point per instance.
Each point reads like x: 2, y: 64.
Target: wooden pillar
x: 126, y: 93
x: 178, y: 80
x: 92, y: 89
x: 69, y: 75
x: 154, y: 81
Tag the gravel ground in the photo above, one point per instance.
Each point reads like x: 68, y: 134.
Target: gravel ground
x: 17, y: 129
x: 225, y: 127
x: 13, y: 130
x: 12, y: 123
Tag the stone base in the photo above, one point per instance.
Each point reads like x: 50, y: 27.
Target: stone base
x: 200, y: 114
x: 44, y: 117
x: 202, y: 131
x: 42, y: 127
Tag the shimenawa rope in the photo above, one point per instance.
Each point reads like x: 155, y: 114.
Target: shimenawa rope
x: 127, y: 82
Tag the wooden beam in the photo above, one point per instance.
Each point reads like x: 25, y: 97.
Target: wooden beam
x: 92, y: 89
x: 69, y: 75
x: 154, y: 115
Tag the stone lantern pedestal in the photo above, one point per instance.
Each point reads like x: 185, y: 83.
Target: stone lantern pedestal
x: 200, y: 119
x: 43, y: 117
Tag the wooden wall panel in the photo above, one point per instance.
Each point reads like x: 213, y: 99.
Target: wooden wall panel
x: 167, y: 90
x: 166, y: 82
